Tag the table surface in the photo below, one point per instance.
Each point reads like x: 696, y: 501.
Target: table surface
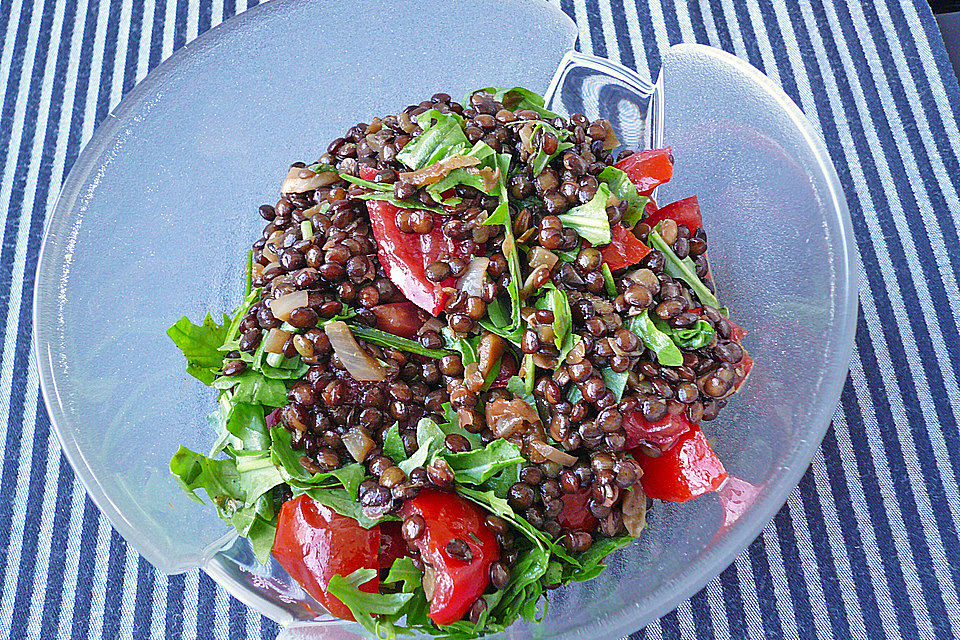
x: 867, y: 546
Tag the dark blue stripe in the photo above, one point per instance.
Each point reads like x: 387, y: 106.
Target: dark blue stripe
x: 649, y: 37
x: 697, y: 23
x: 206, y: 606
x: 945, y: 74
x: 796, y: 574
x: 53, y: 597
x: 85, y: 572
x: 113, y: 598
x: 237, y: 617
x: 31, y: 527
x: 205, y: 16
x: 702, y: 620
x: 6, y: 8
x: 180, y: 24
x: 567, y: 7
x: 268, y: 628
x: 819, y: 541
x: 867, y: 597
x: 13, y: 80
x: 670, y: 626
x: 766, y: 597
x: 622, y: 32
x: 595, y: 25
x: 173, y: 616
x: 749, y: 37
x: 143, y: 604
x: 720, y: 22
x: 917, y: 315
x: 109, y: 57
x: 733, y: 602
x: 670, y: 21
x: 133, y: 46
x: 787, y: 80
x: 229, y: 9
x: 156, y: 34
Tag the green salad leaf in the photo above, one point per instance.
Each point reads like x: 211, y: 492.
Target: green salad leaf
x: 479, y: 465
x: 682, y: 269
x: 393, y: 444
x: 616, y: 382
x: 365, y: 606
x: 390, y: 340
x: 542, y: 159
x: 515, y: 99
x: 442, y: 136
x: 590, y: 220
x: 657, y: 341
x: 608, y: 283
x: 698, y: 336
x: 622, y: 187
x: 200, y: 345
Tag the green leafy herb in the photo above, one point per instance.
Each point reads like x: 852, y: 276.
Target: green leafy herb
x: 515, y: 99
x: 591, y: 560
x: 469, y: 176
x: 492, y: 375
x: 429, y: 440
x: 542, y: 159
x: 696, y: 337
x: 343, y: 503
x: 320, y: 167
x: 366, y: 606
x: 590, y: 220
x: 393, y: 444
x: 348, y: 476
x: 479, y: 465
x: 556, y: 301
x: 442, y: 136
x: 622, y: 187
x: 390, y: 340
x: 608, y: 282
x: 387, y: 196
x: 253, y: 387
x: 657, y: 341
x: 376, y: 186
x: 200, y: 346
x: 403, y: 570
x: 682, y: 269
x: 246, y: 422
x: 616, y: 382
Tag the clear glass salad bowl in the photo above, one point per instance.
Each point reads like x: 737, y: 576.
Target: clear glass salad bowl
x: 157, y: 214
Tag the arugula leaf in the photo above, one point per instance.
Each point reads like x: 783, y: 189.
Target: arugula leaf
x: 616, y: 382
x: 363, y: 605
x: 342, y: 502
x: 492, y: 375
x: 657, y: 341
x: 231, y: 342
x: 439, y: 139
x: 393, y: 444
x: 682, y: 269
x: 219, y: 478
x: 479, y: 465
x: 502, y: 482
x: 590, y: 220
x: 349, y: 476
x: 515, y: 99
x: 320, y: 167
x: 258, y: 475
x: 247, y: 423
x: 562, y: 317
x: 252, y: 387
x: 696, y: 337
x: 608, y: 282
x: 404, y: 571
x: 528, y: 571
x: 622, y: 187
x: 470, y: 177
x: 387, y: 196
x: 200, y: 346
x: 429, y: 440
x: 591, y: 560
x: 467, y: 347
x: 388, y: 339
x: 376, y: 186
x: 290, y: 369
x: 518, y: 386
x: 542, y: 159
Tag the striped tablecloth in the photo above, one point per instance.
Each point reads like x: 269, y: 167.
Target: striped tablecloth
x: 867, y: 547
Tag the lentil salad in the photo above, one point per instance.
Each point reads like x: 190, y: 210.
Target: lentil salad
x: 473, y: 350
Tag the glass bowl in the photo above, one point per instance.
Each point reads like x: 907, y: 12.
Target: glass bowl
x: 157, y: 213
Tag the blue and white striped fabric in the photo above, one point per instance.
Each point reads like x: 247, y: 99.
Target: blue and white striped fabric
x: 867, y: 547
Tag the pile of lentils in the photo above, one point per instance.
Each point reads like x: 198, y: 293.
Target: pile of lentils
x: 338, y: 266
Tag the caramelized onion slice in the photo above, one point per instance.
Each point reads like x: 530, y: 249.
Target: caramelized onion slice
x: 438, y: 170
x: 358, y: 363
x: 300, y: 180
x: 471, y: 282
x: 634, y: 509
x: 275, y: 340
x: 553, y: 454
x: 283, y: 306
x: 357, y: 443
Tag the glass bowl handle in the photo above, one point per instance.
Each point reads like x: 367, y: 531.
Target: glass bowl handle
x: 599, y: 88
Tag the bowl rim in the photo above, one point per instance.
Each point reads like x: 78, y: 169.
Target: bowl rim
x: 711, y: 562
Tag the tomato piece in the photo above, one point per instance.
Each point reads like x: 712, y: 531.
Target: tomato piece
x: 689, y: 469
x: 575, y: 514
x: 745, y: 365
x: 315, y: 543
x: 402, y: 319
x: 663, y: 433
x: 686, y: 211
x: 392, y: 544
x: 457, y: 583
x: 624, y: 249
x: 508, y: 369
x: 648, y: 169
x: 405, y: 256
x: 737, y: 332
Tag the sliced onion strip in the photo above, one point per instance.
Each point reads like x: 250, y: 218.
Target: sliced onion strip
x: 285, y: 304
x: 553, y: 454
x: 275, y: 340
x: 358, y: 363
x: 300, y: 180
x: 471, y: 282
